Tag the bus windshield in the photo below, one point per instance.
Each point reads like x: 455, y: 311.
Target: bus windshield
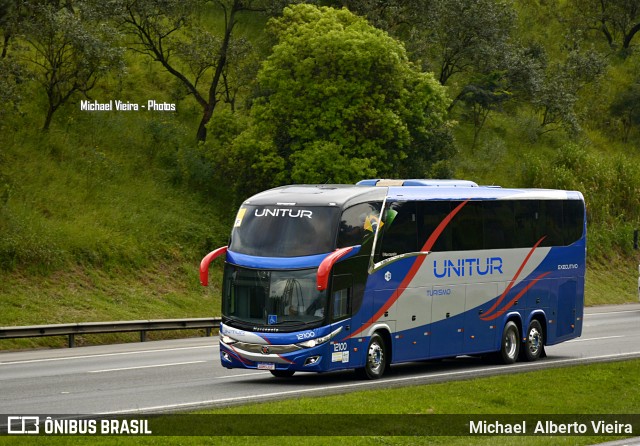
x: 284, y: 231
x: 272, y: 298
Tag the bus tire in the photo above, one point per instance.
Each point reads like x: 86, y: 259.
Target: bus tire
x: 375, y: 360
x: 533, y: 347
x: 282, y: 373
x: 510, y: 343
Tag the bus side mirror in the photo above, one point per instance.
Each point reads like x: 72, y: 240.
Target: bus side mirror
x: 322, y: 281
x: 206, y: 261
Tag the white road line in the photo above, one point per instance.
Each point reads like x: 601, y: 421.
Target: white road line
x: 595, y: 339
x: 104, y: 355
x: 610, y: 312
x: 248, y: 398
x: 145, y: 367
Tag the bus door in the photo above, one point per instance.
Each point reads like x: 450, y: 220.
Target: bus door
x: 479, y: 334
x: 566, y: 318
x: 340, y: 310
x: 413, y: 338
x: 447, y: 328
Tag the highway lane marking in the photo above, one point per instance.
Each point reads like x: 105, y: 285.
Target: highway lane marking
x: 104, y: 355
x: 145, y: 367
x: 533, y: 366
x: 610, y: 312
x: 595, y: 339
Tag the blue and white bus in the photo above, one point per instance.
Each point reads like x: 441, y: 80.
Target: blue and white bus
x: 328, y: 277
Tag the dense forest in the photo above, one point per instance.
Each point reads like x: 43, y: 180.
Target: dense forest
x: 131, y: 129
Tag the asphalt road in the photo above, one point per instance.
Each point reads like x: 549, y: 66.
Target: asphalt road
x: 168, y: 376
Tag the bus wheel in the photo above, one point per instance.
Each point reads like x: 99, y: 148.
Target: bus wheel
x: 376, y: 360
x: 282, y: 373
x: 534, y: 345
x: 510, y: 345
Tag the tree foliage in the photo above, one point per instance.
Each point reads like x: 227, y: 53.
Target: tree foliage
x: 626, y: 108
x: 69, y: 53
x: 337, y: 101
x: 211, y: 66
x: 618, y: 21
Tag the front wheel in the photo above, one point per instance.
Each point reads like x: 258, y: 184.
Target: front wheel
x: 510, y: 344
x: 376, y: 360
x: 534, y: 344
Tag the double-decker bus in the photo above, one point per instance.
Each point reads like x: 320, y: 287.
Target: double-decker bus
x: 327, y: 277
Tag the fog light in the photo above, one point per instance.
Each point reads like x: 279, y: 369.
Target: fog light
x: 226, y: 356
x: 311, y: 360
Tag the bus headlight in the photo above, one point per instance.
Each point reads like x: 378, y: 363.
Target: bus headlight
x: 227, y: 340
x: 319, y: 341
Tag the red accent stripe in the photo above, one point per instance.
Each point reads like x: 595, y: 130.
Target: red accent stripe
x: 239, y: 356
x: 513, y: 281
x: 512, y: 301
x: 413, y: 270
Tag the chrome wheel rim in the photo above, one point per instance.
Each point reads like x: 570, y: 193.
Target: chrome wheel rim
x: 375, y: 358
x: 533, y: 341
x: 510, y: 344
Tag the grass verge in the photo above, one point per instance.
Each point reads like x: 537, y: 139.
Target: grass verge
x: 609, y: 388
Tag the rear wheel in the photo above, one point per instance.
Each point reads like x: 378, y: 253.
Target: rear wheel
x: 282, y: 373
x: 510, y: 344
x: 376, y: 360
x: 533, y: 347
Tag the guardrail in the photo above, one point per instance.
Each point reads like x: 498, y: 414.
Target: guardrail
x: 71, y: 330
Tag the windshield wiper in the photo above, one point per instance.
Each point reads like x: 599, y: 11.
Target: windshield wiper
x: 296, y: 322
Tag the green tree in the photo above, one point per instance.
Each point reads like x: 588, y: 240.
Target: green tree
x: 448, y: 36
x: 557, y: 96
x: 617, y: 20
x: 338, y: 100
x: 208, y: 65
x: 481, y: 96
x: 626, y: 108
x: 69, y: 53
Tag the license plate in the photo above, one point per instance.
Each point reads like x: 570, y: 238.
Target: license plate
x: 266, y: 366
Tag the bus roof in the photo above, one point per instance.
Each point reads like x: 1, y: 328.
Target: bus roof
x: 342, y: 195
x: 429, y: 182
x: 478, y: 193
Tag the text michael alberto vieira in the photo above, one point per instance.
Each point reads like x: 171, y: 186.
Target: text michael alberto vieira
x: 117, y: 105
x: 598, y: 427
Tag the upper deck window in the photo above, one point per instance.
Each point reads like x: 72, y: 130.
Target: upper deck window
x: 284, y: 231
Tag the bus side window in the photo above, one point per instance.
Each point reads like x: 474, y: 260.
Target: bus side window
x: 341, y: 297
x: 432, y: 213
x: 526, y: 217
x: 399, y: 234
x: 466, y: 227
x: 573, y: 221
x: 498, y: 224
x: 358, y: 224
x: 550, y: 223
x: 341, y: 305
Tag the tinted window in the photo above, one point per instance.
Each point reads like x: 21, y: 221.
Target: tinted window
x: 358, y: 224
x: 526, y: 222
x: 432, y: 213
x: 399, y: 233
x: 573, y: 221
x: 466, y: 226
x: 489, y: 224
x: 498, y: 224
x: 284, y: 231
x: 550, y: 223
